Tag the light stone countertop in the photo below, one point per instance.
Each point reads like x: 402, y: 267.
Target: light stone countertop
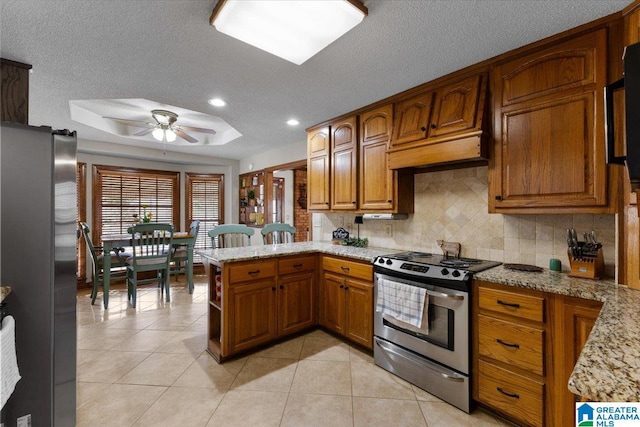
x: 608, y: 369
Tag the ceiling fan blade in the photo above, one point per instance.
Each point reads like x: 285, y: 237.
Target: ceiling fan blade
x: 132, y: 122
x: 184, y: 136
x: 144, y: 132
x: 199, y: 130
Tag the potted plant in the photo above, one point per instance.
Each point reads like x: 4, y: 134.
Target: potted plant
x: 251, y: 194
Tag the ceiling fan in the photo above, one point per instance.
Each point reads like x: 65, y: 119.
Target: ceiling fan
x: 164, y: 128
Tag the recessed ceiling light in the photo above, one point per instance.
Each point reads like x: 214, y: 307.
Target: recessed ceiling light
x: 217, y: 102
x: 293, y: 122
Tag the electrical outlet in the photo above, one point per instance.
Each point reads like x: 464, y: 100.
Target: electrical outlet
x: 24, y: 421
x: 388, y: 230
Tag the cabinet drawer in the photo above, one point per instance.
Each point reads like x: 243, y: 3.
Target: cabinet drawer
x: 515, y: 395
x: 349, y: 268
x: 252, y: 271
x: 511, y: 343
x: 515, y: 304
x: 295, y: 264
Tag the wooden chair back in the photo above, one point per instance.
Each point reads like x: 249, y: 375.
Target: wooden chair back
x: 278, y: 233
x: 231, y: 236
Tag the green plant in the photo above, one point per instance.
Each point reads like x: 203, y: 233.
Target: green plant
x: 251, y: 194
x: 354, y: 241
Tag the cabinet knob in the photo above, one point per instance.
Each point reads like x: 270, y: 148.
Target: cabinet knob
x: 341, y: 286
x: 281, y: 287
x: 346, y: 287
x: 353, y: 202
x: 423, y: 129
x: 326, y: 203
x: 498, y: 197
x: 433, y: 126
x: 389, y: 201
x: 273, y: 288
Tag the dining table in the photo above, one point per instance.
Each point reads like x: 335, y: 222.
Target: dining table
x: 112, y: 241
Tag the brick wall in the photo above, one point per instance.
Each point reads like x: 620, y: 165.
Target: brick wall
x: 301, y: 217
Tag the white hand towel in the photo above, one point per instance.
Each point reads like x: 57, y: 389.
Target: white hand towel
x: 8, y: 361
x: 403, y: 302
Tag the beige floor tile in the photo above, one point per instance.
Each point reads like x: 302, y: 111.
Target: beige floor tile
x: 119, y: 405
x: 191, y: 342
x: 158, y: 369
x: 206, y: 372
x: 87, y: 391
x: 173, y: 323
x: 101, y: 338
x: 322, y: 377
x: 243, y: 408
x: 370, y: 412
x: 106, y: 366
x: 369, y: 380
x: 289, y: 349
x: 266, y: 374
x: 182, y: 407
x: 136, y: 321
x: 424, y: 396
x: 359, y: 355
x: 441, y: 414
x: 145, y: 340
x: 324, y: 348
x: 316, y: 410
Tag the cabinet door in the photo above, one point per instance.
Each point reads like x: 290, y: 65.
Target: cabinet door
x: 377, y: 181
x: 359, y: 312
x: 412, y: 116
x: 344, y: 167
x: 455, y: 107
x: 332, y: 303
x: 252, y: 314
x: 318, y: 169
x: 295, y: 302
x: 549, y: 135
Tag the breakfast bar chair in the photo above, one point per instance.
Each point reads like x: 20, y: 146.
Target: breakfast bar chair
x: 231, y: 236
x: 151, y: 243
x: 118, y: 261
x: 278, y: 233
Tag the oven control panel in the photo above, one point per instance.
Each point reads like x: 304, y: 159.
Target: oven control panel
x: 414, y: 267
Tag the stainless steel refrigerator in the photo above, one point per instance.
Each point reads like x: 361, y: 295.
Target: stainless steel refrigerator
x: 38, y: 217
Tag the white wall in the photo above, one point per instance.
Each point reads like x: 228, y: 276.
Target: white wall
x: 277, y: 156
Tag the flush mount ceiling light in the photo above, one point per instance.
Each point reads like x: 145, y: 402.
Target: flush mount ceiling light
x: 291, y: 29
x: 293, y: 122
x: 217, y: 102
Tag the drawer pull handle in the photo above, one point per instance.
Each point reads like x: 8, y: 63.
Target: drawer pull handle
x: 345, y: 269
x: 507, y: 344
x: 508, y: 304
x: 513, y: 395
x: 297, y: 265
x: 253, y: 272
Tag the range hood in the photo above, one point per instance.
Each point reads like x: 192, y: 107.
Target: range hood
x: 385, y: 216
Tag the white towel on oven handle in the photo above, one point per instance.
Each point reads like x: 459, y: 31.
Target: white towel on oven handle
x: 403, y: 302
x: 9, y: 364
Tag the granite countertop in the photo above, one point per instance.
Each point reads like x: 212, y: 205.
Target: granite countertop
x: 4, y: 292
x: 608, y: 369
x: 268, y: 251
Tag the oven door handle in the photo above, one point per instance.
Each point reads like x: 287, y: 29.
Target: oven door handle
x: 443, y: 295
x: 455, y: 378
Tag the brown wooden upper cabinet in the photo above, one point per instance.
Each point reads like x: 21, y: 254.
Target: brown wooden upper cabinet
x: 318, y: 167
x: 549, y: 151
x: 344, y: 169
x: 413, y: 116
x: 14, y: 91
x: 381, y: 188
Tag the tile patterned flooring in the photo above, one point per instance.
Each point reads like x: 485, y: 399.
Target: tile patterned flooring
x: 148, y: 366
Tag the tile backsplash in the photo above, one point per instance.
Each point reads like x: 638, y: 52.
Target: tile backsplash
x: 452, y: 205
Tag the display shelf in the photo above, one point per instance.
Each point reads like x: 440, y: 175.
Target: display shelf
x: 252, y: 199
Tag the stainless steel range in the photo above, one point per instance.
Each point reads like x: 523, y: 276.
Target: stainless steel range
x: 421, y: 321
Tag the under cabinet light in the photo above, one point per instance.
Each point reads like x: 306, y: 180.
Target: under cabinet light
x: 294, y: 30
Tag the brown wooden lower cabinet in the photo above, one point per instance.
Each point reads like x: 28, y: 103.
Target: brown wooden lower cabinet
x: 525, y: 345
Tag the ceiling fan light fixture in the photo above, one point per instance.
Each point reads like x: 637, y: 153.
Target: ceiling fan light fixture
x: 294, y: 30
x: 158, y: 134
x: 170, y: 135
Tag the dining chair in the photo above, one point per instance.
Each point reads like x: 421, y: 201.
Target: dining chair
x: 118, y: 261
x: 179, y: 252
x: 278, y: 233
x: 151, y: 244
x: 231, y: 236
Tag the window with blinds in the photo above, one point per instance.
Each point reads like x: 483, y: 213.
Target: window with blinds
x: 205, y: 202
x: 120, y: 193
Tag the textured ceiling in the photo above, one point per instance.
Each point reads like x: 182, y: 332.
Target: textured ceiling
x: 167, y: 52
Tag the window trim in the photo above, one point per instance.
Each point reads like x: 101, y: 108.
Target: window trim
x: 189, y: 180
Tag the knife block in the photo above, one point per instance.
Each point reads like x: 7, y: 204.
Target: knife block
x: 587, y: 268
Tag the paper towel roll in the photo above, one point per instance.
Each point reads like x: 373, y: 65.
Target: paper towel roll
x: 10, y: 375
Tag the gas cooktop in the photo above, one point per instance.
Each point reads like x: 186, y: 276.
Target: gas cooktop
x: 432, y: 266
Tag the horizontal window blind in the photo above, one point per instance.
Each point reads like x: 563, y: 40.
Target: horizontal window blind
x: 125, y: 195
x: 205, y: 202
